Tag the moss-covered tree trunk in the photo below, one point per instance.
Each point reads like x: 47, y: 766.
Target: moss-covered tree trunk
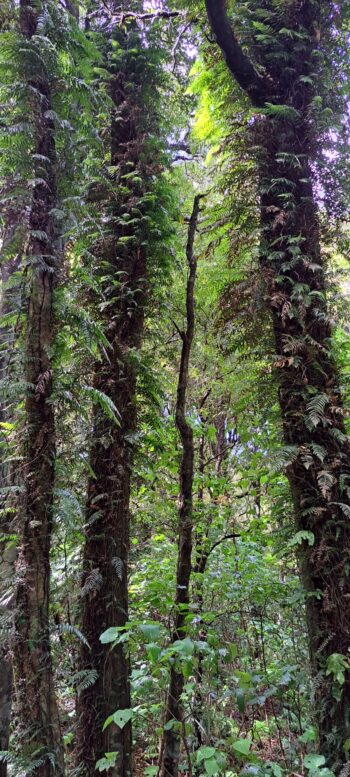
x: 309, y: 389
x: 313, y: 425
x: 10, y: 258
x: 105, y: 565
x: 12, y: 240
x: 35, y: 698
x: 121, y: 262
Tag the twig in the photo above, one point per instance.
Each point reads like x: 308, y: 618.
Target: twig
x: 178, y: 41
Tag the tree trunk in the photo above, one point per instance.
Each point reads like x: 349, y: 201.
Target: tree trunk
x: 12, y: 244
x: 312, y: 415
x: 105, y: 558
x: 105, y: 569
x: 309, y: 390
x: 12, y: 238
x: 36, y: 703
x: 174, y: 713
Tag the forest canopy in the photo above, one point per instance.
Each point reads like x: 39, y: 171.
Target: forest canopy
x: 174, y: 388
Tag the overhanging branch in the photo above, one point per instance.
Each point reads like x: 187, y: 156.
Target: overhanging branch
x: 153, y: 15
x: 238, y: 62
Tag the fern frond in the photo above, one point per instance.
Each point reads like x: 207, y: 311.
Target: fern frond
x: 93, y: 582
x: 104, y: 402
x: 84, y: 679
x: 315, y: 411
x: 67, y: 628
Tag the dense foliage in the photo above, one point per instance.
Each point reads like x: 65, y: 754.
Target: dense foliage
x: 174, y: 344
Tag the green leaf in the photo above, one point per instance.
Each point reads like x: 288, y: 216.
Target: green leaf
x: 150, y: 630
x: 184, y: 646
x: 110, y: 635
x: 242, y: 746
x: 107, y: 762
x: 153, y: 652
x: 171, y: 724
x: 120, y: 718
x: 337, y: 665
x: 308, y: 736
x: 211, y: 766
x: 314, y: 761
x: 104, y: 401
x: 315, y: 410
x: 203, y: 753
x: 240, y: 698
x: 302, y: 536
x: 281, y: 111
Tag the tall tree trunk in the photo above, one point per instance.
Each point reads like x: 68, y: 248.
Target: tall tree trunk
x: 105, y: 565
x: 312, y: 414
x: 105, y: 558
x: 309, y: 391
x: 174, y: 713
x: 36, y: 703
x: 12, y: 238
x: 12, y: 244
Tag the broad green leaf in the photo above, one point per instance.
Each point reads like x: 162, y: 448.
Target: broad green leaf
x: 203, y: 753
x: 120, y: 718
x: 107, y: 762
x: 211, y: 766
x: 308, y: 736
x: 337, y: 665
x: 150, y: 630
x: 171, y: 724
x: 110, y: 635
x: 153, y: 652
x: 242, y: 746
x: 184, y: 646
x: 314, y: 761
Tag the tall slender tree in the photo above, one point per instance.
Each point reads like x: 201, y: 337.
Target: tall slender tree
x: 13, y: 236
x: 122, y: 260
x: 36, y: 702
x: 7, y: 550
x: 278, y: 62
x: 13, y: 233
x: 174, y: 715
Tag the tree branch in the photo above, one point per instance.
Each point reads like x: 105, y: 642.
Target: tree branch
x: 223, y: 539
x: 238, y: 62
x: 152, y: 15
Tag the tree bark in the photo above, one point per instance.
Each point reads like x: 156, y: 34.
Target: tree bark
x: 12, y: 245
x: 313, y: 425
x: 35, y: 697
x: 12, y: 239
x: 105, y: 567
x: 309, y: 389
x: 106, y: 549
x: 174, y: 712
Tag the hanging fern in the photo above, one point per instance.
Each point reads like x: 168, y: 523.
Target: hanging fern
x: 67, y: 628
x: 84, y: 679
x: 93, y: 582
x: 104, y: 402
x: 315, y: 411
